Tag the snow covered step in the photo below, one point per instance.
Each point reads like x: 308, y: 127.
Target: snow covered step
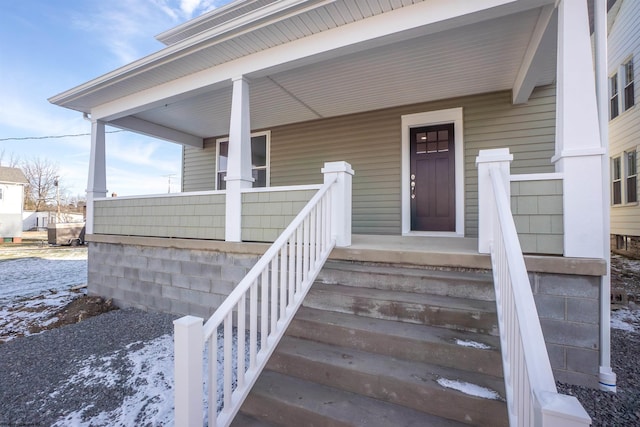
x: 291, y: 402
x: 479, y: 399
x: 462, y: 283
x: 463, y: 350
x: 455, y: 313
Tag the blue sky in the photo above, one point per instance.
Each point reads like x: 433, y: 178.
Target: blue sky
x: 49, y: 46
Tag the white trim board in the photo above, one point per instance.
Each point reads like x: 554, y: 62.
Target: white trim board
x: 451, y: 115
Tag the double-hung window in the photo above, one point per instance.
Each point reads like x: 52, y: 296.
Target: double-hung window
x: 629, y: 92
x: 614, y: 109
x: 259, y: 160
x: 631, y: 175
x: 616, y: 179
x: 621, y: 90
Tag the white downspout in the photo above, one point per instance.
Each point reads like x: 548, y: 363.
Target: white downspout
x: 607, y: 378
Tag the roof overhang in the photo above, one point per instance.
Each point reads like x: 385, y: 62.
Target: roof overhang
x: 422, y: 51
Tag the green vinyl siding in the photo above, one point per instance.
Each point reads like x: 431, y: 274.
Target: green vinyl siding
x: 199, y: 167
x: 371, y: 143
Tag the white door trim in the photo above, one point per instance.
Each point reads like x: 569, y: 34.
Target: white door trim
x: 451, y: 115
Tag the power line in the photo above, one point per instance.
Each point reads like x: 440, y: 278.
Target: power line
x: 23, y: 138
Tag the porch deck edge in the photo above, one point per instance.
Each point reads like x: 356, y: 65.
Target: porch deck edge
x: 382, y: 254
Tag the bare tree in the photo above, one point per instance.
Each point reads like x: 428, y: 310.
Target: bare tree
x: 11, y: 162
x: 43, y: 177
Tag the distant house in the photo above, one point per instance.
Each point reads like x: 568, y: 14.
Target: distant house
x: 624, y: 125
x: 12, y: 182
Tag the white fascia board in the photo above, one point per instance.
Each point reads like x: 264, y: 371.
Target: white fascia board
x: 542, y: 41
x: 199, y: 20
x: 157, y: 131
x: 233, y: 28
x: 429, y: 16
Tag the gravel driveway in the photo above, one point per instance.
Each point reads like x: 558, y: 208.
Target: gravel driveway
x: 33, y: 369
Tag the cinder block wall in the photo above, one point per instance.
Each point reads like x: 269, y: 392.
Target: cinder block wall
x: 179, y: 281
x: 569, y: 310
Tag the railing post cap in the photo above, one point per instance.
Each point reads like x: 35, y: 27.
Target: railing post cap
x: 188, y: 321
x: 494, y: 155
x: 341, y: 166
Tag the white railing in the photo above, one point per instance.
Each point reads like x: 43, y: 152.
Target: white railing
x: 532, y: 397
x: 260, y: 307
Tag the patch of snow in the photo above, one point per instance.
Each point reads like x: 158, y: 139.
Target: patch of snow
x: 149, y: 374
x: 626, y: 320
x: 470, y: 389
x: 30, y: 272
x: 472, y: 344
x: 17, y: 316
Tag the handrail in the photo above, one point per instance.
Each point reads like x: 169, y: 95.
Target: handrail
x: 532, y: 396
x: 273, y: 290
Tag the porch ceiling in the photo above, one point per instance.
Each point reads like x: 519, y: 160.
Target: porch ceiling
x: 477, y: 58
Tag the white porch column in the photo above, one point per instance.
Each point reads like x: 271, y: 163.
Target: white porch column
x: 97, y: 182
x: 578, y: 151
x: 340, y: 200
x: 239, y: 161
x: 486, y: 160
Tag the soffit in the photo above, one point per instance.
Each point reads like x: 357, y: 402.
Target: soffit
x: 207, y: 49
x: 477, y: 58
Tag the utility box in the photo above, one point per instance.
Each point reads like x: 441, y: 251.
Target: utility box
x: 66, y: 234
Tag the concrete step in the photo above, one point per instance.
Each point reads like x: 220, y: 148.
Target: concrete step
x: 455, y: 313
x: 287, y: 401
x: 416, y: 385
x: 462, y: 283
x: 459, y: 349
x: 244, y: 420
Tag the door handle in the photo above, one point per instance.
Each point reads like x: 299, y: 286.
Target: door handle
x: 413, y: 189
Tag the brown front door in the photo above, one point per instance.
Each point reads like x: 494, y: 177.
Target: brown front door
x: 433, y: 206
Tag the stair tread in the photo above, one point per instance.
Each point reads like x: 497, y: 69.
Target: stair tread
x: 405, y: 270
x: 447, y: 392
x: 244, y: 420
x: 411, y: 372
x: 337, y: 407
x: 458, y: 303
x: 417, y: 332
x: 471, y: 351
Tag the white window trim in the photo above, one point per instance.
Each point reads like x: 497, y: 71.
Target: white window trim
x: 624, y: 84
x: 267, y: 133
x: 452, y: 115
x: 615, y: 77
x: 619, y: 157
x: 626, y: 176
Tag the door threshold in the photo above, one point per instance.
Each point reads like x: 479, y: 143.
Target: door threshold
x: 433, y: 234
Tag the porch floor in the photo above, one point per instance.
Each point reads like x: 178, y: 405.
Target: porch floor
x: 456, y: 252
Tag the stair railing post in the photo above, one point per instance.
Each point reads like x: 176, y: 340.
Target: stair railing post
x: 340, y: 200
x: 486, y: 160
x: 188, y: 347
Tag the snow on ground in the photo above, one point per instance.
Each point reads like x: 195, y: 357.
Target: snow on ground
x: 35, y: 283
x: 29, y: 272
x: 149, y: 373
x: 626, y: 319
x: 19, y: 315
